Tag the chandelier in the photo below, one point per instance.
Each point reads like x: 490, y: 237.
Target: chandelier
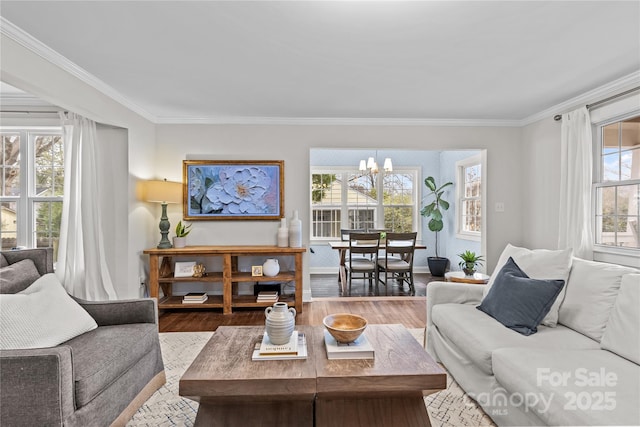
x: 371, y: 165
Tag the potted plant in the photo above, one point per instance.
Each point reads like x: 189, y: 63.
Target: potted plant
x: 437, y: 265
x: 182, y: 231
x: 469, y: 262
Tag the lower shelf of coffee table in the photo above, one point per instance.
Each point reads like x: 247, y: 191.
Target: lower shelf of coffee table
x: 215, y: 301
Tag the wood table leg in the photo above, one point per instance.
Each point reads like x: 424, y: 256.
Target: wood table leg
x: 256, y: 414
x: 227, y: 295
x: 409, y: 411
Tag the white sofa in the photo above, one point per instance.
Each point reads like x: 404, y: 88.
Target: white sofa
x: 584, y: 371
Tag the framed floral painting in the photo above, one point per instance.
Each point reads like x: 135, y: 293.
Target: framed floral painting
x: 231, y: 189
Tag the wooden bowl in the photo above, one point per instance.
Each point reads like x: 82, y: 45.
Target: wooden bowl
x: 345, y: 327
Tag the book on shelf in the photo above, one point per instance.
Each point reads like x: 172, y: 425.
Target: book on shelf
x: 195, y: 298
x: 359, y: 349
x: 300, y: 344
x: 267, y: 296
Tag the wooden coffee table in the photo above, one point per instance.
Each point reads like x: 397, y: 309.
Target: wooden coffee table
x: 387, y: 391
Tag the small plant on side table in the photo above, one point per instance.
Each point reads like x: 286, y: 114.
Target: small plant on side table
x: 469, y: 262
x: 182, y: 231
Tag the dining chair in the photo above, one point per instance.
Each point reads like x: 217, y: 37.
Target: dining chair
x: 363, y: 257
x: 344, y: 236
x: 397, y: 262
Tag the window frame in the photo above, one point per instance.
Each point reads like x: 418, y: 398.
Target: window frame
x: 598, y: 182
x: 26, y: 227
x: 461, y: 165
x: 343, y: 173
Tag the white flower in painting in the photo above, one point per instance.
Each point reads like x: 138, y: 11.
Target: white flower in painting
x: 239, y: 191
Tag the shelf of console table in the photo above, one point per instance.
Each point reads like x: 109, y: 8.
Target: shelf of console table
x: 228, y: 276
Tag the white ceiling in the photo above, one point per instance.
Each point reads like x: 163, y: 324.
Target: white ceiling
x: 214, y: 60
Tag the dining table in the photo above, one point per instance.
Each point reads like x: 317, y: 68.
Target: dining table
x: 342, y: 246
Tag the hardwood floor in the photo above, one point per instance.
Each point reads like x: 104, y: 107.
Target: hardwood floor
x: 408, y: 311
x: 398, y: 307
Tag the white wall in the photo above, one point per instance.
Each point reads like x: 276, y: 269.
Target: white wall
x: 540, y: 162
x: 293, y: 143
x: 30, y: 72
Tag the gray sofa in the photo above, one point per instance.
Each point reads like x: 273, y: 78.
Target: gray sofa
x: 584, y: 371
x: 99, y: 378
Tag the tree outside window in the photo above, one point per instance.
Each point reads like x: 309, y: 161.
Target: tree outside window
x: 32, y: 187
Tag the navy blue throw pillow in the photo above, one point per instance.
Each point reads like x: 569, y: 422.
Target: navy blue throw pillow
x: 519, y: 302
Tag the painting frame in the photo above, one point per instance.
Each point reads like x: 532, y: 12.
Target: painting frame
x: 233, y: 190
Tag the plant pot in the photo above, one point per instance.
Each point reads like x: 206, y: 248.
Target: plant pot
x: 179, y: 242
x: 437, y: 265
x: 469, y: 271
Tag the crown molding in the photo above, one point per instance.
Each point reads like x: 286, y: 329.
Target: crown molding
x: 15, y: 33
x: 601, y: 92
x: 335, y: 121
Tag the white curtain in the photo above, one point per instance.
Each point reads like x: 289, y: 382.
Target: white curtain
x: 82, y: 266
x: 576, y: 224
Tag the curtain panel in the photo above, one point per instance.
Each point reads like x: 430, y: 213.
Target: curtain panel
x: 82, y: 266
x: 576, y: 223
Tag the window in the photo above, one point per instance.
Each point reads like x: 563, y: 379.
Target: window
x: 32, y: 187
x: 347, y: 198
x: 617, y: 184
x: 469, y: 218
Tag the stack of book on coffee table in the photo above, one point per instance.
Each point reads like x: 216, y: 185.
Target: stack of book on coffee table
x: 358, y: 349
x: 296, y: 348
x: 195, y: 298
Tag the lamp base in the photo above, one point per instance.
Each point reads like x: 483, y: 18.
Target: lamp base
x: 164, y: 229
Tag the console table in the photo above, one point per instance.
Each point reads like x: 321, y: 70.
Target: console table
x: 228, y: 276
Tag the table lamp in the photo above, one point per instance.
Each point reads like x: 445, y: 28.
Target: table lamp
x: 163, y: 192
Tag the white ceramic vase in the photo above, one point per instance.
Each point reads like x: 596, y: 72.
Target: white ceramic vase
x: 179, y: 242
x: 280, y: 322
x: 271, y: 267
x: 283, y: 234
x: 295, y: 231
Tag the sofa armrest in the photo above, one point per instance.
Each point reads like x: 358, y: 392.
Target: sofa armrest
x: 449, y: 293
x: 121, y: 312
x: 36, y: 387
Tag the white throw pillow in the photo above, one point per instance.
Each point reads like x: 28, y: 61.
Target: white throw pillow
x: 622, y: 335
x: 538, y: 264
x: 43, y: 315
x: 591, y: 294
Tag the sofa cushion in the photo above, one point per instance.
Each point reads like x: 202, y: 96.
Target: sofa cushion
x: 18, y: 277
x: 477, y: 335
x: 538, y: 264
x: 106, y: 353
x: 571, y: 387
x: 43, y: 315
x: 519, y: 302
x: 622, y: 334
x: 3, y: 261
x: 591, y: 292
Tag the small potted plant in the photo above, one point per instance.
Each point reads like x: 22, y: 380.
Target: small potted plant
x: 469, y: 262
x: 182, y: 231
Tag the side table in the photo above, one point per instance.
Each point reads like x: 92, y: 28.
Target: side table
x: 460, y: 277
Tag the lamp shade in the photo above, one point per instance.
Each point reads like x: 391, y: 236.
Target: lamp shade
x: 388, y: 166
x: 162, y: 191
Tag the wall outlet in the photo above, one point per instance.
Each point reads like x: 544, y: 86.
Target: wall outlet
x: 499, y: 206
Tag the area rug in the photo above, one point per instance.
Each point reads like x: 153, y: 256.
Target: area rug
x: 449, y: 407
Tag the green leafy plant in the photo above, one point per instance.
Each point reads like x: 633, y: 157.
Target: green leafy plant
x: 434, y: 209
x: 470, y: 261
x: 182, y: 230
